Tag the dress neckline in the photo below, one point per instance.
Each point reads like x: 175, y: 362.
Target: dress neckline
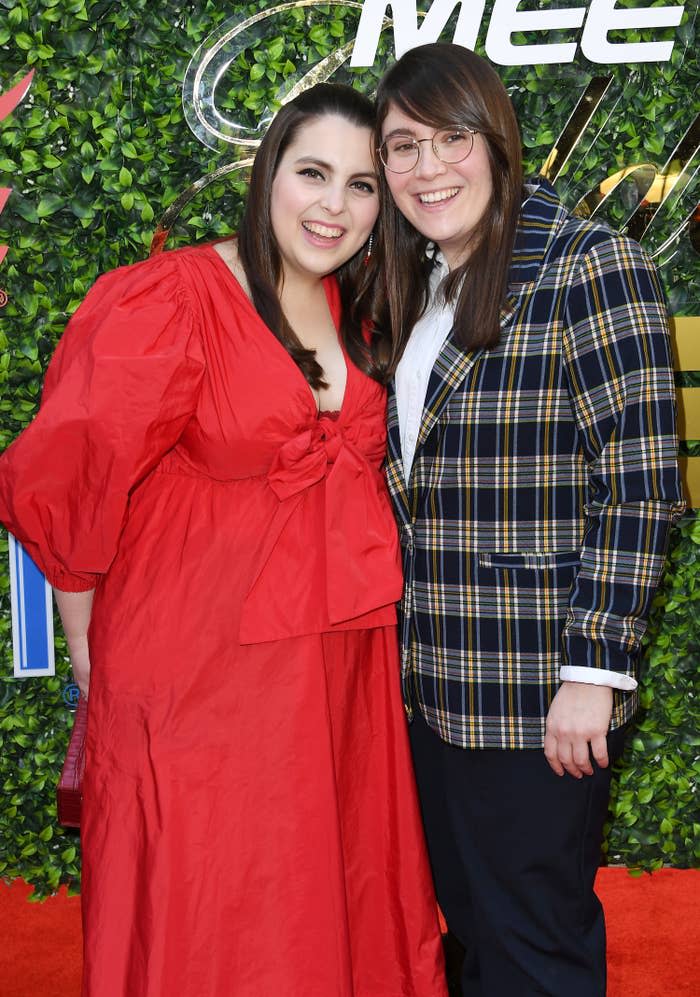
x: 328, y: 282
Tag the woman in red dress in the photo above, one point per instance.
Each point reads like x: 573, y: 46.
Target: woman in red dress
x: 203, y: 487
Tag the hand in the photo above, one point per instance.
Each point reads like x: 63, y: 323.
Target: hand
x: 577, y: 724
x: 80, y: 663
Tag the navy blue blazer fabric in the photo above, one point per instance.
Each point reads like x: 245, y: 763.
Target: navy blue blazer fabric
x: 536, y: 518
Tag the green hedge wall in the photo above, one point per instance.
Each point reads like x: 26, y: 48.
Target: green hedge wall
x: 97, y: 152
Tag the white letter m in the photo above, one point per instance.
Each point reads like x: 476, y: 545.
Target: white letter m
x: 407, y: 32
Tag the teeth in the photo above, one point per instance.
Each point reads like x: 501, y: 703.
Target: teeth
x: 323, y: 230
x: 438, y: 195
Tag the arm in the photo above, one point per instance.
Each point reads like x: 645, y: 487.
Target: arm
x: 617, y: 361
x: 122, y: 385
x: 75, y: 609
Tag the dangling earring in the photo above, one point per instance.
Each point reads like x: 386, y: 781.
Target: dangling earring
x: 370, y: 243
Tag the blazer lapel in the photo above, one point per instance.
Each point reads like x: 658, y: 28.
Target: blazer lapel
x: 453, y: 364
x: 394, y: 459
x: 450, y: 369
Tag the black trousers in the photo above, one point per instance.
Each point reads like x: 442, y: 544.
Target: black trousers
x: 514, y: 851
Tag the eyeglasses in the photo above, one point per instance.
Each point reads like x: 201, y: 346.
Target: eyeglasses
x: 400, y: 152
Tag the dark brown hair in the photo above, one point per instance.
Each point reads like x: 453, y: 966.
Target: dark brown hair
x: 444, y: 85
x: 257, y: 246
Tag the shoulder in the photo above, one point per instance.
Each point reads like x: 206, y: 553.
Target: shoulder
x: 584, y: 265
x: 582, y: 237
x: 606, y: 267
x: 173, y: 271
x: 580, y: 241
x: 142, y: 302
x: 157, y: 274
x: 552, y: 244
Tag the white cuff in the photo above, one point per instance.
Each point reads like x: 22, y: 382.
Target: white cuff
x: 597, y: 676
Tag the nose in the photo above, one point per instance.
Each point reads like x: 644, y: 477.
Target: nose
x: 333, y: 199
x: 428, y: 165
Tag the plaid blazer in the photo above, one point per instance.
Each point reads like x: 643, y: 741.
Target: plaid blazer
x: 535, y: 522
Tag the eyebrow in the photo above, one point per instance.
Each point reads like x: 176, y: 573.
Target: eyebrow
x: 312, y: 160
x: 399, y: 131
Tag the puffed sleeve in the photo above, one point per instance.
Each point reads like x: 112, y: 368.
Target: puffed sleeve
x: 119, y: 390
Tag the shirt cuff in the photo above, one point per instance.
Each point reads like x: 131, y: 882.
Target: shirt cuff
x: 597, y: 676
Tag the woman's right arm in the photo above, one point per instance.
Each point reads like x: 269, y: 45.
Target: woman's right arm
x: 121, y: 387
x: 75, y: 609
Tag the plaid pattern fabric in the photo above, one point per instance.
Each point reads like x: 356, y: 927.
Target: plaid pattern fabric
x: 536, y: 518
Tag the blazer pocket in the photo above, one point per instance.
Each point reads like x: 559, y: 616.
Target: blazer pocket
x: 530, y: 559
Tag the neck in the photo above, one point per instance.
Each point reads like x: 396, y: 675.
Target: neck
x: 294, y: 292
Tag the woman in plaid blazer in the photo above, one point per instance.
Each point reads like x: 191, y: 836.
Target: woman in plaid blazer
x: 532, y: 463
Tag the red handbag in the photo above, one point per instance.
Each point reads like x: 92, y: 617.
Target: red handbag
x: 69, y: 792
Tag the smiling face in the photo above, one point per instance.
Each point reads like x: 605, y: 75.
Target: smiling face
x: 444, y: 201
x: 324, y: 200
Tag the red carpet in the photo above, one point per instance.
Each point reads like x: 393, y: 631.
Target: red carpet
x: 653, y: 927
x: 41, y: 954
x: 653, y: 938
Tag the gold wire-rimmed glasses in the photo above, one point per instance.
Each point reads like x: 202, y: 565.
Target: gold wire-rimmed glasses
x: 400, y: 152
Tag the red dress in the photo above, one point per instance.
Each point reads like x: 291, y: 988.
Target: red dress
x: 250, y: 825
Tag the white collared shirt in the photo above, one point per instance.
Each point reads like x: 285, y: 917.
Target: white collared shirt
x: 414, y: 369
x: 411, y: 386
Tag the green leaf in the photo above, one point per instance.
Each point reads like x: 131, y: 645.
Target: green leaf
x: 276, y: 48
x: 49, y: 205
x: 30, y: 160
x: 23, y: 40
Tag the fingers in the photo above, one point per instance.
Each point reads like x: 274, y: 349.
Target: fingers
x: 81, y: 674
x: 581, y: 762
x: 574, y: 756
x: 83, y: 683
x: 552, y: 755
x: 599, y: 750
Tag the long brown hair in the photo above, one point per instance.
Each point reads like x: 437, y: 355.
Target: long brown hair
x: 444, y: 85
x: 259, y: 253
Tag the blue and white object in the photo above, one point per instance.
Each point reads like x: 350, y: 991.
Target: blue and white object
x: 32, y: 616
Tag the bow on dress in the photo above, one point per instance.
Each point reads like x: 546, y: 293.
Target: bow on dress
x: 330, y: 554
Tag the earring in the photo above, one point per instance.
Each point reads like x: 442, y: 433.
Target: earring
x: 370, y: 243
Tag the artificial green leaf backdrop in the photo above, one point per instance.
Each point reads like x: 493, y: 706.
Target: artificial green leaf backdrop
x: 101, y: 148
